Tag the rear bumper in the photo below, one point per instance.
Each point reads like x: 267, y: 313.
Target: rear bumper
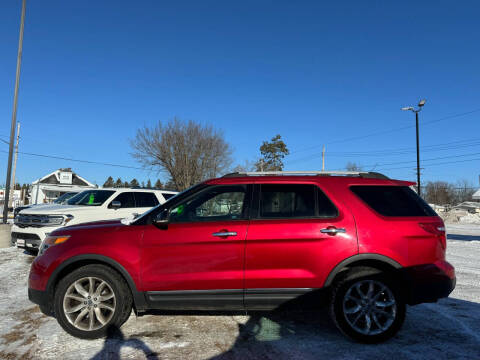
x: 430, y: 282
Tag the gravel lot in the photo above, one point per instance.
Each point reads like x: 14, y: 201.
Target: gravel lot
x: 445, y: 330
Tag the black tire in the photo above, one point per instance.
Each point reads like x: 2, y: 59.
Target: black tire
x: 365, y: 276
x: 121, y: 291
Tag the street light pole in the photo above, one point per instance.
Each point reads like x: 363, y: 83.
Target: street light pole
x: 419, y: 187
x: 416, y: 111
x: 14, y: 117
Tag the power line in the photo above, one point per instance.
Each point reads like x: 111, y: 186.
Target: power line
x: 353, y: 138
x: 442, y: 163
x: 395, y: 152
x: 81, y: 161
x: 432, y: 159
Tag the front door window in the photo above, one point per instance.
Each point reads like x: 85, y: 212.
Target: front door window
x: 219, y: 203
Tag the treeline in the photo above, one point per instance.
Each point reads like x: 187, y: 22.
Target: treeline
x: 119, y: 183
x: 445, y: 193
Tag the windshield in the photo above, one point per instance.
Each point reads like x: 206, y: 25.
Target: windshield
x: 90, y: 197
x: 62, y: 199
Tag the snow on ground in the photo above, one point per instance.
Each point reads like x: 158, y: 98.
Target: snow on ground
x: 445, y: 330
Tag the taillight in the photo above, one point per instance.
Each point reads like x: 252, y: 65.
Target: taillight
x: 437, y: 229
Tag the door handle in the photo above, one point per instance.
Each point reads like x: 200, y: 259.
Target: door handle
x: 225, y: 233
x: 333, y: 230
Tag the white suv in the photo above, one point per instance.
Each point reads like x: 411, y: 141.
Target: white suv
x: 32, y: 225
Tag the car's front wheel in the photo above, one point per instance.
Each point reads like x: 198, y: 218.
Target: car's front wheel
x: 368, y: 308
x: 90, y: 300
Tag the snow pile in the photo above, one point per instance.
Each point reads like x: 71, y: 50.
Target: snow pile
x: 470, y: 219
x: 460, y: 216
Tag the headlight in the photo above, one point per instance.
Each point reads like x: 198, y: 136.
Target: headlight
x: 59, y: 219
x: 68, y: 218
x: 55, y: 220
x: 52, y: 241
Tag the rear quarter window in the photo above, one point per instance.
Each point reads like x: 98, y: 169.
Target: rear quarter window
x: 168, y: 195
x: 393, y: 200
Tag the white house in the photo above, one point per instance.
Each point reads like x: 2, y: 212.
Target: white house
x: 17, y: 197
x: 59, y: 182
x: 476, y: 195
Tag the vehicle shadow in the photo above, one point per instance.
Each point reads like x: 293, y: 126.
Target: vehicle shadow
x: 463, y: 237
x: 445, y: 330
x: 115, y: 341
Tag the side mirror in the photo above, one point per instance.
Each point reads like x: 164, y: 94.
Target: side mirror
x: 162, y: 219
x: 115, y: 204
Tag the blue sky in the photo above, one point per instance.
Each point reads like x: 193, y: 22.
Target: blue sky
x: 316, y: 72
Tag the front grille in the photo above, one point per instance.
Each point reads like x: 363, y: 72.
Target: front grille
x: 26, y: 236
x: 25, y: 220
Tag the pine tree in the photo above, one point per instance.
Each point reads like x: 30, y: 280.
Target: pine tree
x: 143, y: 184
x: 134, y: 183
x: 118, y: 183
x: 149, y: 184
x: 273, y: 153
x: 109, y: 183
x: 158, y: 184
x: 126, y: 184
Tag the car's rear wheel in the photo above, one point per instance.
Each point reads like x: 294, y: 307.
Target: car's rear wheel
x: 368, y: 308
x: 90, y: 300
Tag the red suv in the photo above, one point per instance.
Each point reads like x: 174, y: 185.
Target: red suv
x: 249, y: 242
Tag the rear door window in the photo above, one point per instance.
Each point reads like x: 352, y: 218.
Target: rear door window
x: 279, y: 201
x: 145, y: 199
x: 126, y: 200
x: 393, y: 200
x: 326, y: 209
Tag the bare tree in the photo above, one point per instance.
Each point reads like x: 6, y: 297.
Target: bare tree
x: 465, y: 190
x: 352, y: 166
x: 439, y: 193
x: 246, y: 167
x: 188, y: 151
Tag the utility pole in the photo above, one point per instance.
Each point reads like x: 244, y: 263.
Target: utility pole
x: 323, y: 158
x: 14, y: 166
x: 416, y: 111
x: 14, y: 115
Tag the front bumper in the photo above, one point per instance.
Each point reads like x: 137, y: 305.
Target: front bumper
x: 42, y: 299
x: 29, y: 237
x: 38, y: 297
x: 26, y: 240
x: 430, y: 282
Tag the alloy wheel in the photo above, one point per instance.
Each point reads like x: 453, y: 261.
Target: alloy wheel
x: 369, y: 307
x: 89, y: 303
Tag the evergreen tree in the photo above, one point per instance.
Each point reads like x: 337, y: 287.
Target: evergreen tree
x: 273, y: 153
x: 109, y: 183
x: 118, y: 183
x: 134, y: 183
x: 149, y: 184
x: 143, y: 184
x: 158, y: 184
x: 126, y: 184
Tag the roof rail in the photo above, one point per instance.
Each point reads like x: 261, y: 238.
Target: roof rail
x: 362, y: 174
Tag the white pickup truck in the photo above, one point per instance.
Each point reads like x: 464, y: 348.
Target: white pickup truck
x: 32, y: 225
